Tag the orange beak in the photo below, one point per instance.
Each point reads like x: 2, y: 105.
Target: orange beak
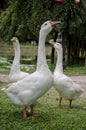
x: 52, y: 43
x: 54, y: 23
x: 13, y: 39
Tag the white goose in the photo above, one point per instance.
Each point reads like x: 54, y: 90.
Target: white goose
x: 64, y: 85
x: 15, y: 72
x: 28, y: 90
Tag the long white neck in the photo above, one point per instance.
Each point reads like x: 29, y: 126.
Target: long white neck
x: 41, y: 60
x: 59, y: 63
x: 16, y: 62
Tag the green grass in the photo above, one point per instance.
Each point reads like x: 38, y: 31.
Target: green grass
x: 75, y: 70
x: 71, y: 70
x: 46, y: 117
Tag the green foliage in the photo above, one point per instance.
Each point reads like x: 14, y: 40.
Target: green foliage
x: 20, y: 19
x: 23, y: 18
x: 3, y: 61
x: 5, y: 66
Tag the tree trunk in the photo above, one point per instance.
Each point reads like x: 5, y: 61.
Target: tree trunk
x: 69, y: 49
x: 3, y: 4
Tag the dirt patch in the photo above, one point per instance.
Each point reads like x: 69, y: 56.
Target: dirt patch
x: 3, y: 78
x: 82, y: 81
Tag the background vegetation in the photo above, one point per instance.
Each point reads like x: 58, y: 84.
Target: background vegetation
x: 24, y: 18
x: 29, y: 58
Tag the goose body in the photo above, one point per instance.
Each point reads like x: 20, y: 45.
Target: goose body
x: 65, y: 86
x: 15, y: 72
x: 28, y: 90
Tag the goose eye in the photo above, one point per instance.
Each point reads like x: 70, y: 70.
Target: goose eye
x: 45, y: 23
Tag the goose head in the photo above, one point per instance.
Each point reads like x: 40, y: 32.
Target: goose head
x: 56, y: 45
x: 14, y: 40
x: 48, y: 26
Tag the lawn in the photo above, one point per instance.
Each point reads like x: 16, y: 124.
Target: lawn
x: 46, y: 116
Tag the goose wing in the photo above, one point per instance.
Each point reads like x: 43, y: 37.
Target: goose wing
x: 67, y: 88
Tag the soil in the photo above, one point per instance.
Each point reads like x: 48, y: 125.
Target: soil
x: 82, y: 81
x: 78, y: 79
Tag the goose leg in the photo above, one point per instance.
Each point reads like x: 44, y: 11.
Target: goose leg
x: 59, y: 105
x: 70, y: 101
x: 24, y: 111
x: 32, y: 111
